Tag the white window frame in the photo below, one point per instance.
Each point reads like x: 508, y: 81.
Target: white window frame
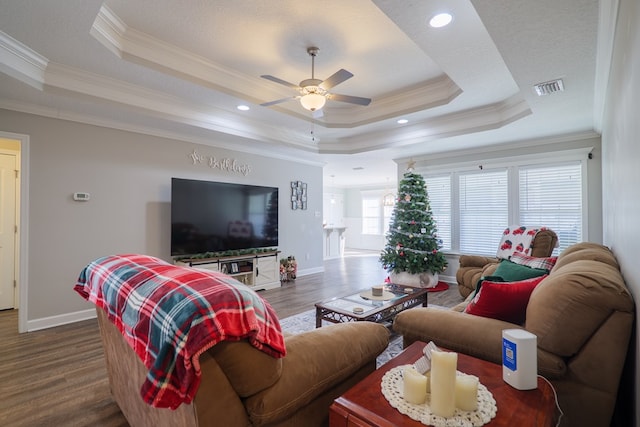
x: 383, y: 220
x: 512, y: 164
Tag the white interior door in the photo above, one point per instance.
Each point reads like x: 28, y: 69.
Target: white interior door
x: 8, y: 182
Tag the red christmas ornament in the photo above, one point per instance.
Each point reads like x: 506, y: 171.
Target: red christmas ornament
x: 401, y: 254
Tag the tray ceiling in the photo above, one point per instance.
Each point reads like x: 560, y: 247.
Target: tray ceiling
x: 181, y: 69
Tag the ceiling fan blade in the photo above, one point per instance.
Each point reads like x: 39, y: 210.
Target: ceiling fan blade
x: 280, y: 81
x: 279, y: 101
x: 350, y: 99
x: 337, y: 78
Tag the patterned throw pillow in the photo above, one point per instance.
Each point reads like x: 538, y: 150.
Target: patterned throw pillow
x: 533, y: 262
x: 516, y: 239
x: 503, y: 300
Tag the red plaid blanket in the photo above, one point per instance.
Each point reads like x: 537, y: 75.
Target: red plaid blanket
x: 170, y: 315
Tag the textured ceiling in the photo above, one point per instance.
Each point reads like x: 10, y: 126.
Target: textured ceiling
x: 180, y: 69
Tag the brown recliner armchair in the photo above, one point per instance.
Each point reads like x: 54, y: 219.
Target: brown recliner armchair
x: 582, y: 314
x: 473, y: 267
x: 242, y: 386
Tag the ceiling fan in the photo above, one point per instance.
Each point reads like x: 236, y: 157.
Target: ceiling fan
x: 313, y: 93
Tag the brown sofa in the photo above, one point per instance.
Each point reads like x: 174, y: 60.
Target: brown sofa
x: 472, y: 267
x: 582, y: 314
x: 242, y: 386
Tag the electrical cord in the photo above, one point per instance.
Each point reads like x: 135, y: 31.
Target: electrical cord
x: 555, y: 396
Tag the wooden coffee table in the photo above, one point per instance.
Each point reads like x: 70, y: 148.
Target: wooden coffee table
x: 341, y: 309
x: 364, y: 405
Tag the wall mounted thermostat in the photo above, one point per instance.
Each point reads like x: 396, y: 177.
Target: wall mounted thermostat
x: 81, y: 197
x: 520, y: 359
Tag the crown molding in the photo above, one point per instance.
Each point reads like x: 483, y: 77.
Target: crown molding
x: 469, y: 121
x: 607, y: 22
x: 109, y: 30
x: 431, y: 94
x: 137, y: 47
x: 54, y: 77
x: 21, y: 62
x: 555, y: 143
x: 224, y: 141
x: 60, y: 77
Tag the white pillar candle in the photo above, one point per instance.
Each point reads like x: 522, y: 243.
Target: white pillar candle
x: 428, y: 376
x: 414, y: 386
x: 443, y: 383
x: 467, y: 392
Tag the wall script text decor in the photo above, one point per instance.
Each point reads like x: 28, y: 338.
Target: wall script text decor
x: 225, y: 164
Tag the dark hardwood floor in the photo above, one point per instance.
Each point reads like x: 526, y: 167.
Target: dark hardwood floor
x: 341, y: 276
x: 57, y: 376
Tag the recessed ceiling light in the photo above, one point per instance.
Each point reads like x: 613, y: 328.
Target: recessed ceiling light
x: 402, y: 121
x: 440, y: 20
x: 243, y: 107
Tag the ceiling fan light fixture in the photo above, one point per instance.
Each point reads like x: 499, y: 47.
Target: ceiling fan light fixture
x: 313, y: 93
x: 313, y: 101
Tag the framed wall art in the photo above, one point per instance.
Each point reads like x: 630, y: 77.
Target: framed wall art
x: 298, y: 195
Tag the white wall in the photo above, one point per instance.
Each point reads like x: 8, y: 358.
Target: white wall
x: 621, y: 158
x: 353, y: 220
x: 128, y: 176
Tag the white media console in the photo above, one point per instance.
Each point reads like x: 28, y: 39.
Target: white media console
x: 259, y: 271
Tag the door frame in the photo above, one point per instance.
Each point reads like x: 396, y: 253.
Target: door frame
x: 23, y: 253
x: 13, y: 154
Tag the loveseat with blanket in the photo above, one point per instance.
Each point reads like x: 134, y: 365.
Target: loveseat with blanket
x: 187, y: 347
x: 581, y: 312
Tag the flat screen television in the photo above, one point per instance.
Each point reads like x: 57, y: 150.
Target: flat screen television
x: 208, y: 216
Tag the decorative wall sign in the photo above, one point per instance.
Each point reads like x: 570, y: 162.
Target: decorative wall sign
x: 298, y: 195
x: 225, y: 164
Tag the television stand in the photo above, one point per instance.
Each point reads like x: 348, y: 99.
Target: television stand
x: 259, y: 271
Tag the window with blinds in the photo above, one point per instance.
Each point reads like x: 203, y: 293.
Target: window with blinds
x: 552, y: 196
x: 483, y: 210
x: 439, y: 194
x: 472, y: 208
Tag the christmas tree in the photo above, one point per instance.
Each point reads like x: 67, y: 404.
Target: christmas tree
x: 412, y: 241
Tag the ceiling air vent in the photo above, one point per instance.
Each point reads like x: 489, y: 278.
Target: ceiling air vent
x: 548, y: 87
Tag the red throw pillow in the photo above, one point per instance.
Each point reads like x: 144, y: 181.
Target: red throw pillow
x: 503, y: 300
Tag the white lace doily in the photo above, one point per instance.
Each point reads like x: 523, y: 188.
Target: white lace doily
x: 392, y: 389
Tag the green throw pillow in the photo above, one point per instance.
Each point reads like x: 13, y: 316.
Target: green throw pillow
x: 512, y: 272
x: 509, y: 271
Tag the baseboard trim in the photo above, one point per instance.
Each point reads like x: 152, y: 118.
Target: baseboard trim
x: 448, y: 279
x: 308, y: 271
x: 59, y: 320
